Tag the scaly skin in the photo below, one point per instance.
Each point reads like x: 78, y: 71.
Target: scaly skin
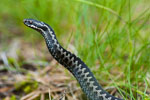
x: 75, y: 65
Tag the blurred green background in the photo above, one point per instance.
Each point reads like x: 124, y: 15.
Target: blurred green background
x: 111, y: 36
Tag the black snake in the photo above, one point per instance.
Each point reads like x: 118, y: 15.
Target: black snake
x: 75, y: 65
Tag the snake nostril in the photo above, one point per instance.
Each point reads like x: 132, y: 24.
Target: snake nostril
x: 24, y: 20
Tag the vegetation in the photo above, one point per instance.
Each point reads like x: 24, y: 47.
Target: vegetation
x: 111, y: 36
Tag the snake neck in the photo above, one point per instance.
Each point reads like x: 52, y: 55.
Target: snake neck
x: 78, y: 68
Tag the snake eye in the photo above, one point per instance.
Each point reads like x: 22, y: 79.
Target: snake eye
x: 30, y: 22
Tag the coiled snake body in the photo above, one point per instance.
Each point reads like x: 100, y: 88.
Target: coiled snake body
x: 75, y: 65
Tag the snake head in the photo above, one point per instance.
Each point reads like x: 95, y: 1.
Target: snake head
x: 36, y: 25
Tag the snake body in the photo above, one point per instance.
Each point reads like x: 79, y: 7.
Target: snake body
x: 74, y: 64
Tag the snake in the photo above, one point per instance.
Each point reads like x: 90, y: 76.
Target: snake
x: 88, y: 83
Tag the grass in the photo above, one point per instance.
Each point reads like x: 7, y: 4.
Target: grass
x: 112, y: 37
